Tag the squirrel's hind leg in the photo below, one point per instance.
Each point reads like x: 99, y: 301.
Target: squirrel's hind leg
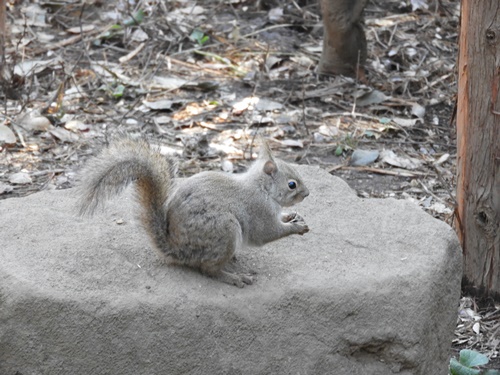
x: 227, y: 277
x: 234, y: 266
x: 220, y: 267
x: 234, y: 279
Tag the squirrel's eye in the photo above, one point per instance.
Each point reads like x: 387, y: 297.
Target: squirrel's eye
x: 292, y: 185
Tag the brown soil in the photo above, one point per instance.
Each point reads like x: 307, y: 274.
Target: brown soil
x: 202, y: 79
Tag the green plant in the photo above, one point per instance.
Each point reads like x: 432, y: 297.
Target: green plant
x: 199, y: 36
x: 348, y: 142
x: 467, y: 361
x: 116, y: 29
x: 118, y: 91
x: 134, y: 19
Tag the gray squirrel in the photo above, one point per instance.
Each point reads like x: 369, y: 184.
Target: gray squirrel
x: 200, y: 221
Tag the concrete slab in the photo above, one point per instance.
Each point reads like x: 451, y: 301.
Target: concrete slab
x: 372, y: 289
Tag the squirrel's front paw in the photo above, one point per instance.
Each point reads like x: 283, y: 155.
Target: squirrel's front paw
x: 291, y: 217
x: 296, y: 221
x: 287, y: 217
x: 301, y: 227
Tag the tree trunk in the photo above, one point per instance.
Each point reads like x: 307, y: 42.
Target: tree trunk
x: 2, y: 30
x: 478, y: 141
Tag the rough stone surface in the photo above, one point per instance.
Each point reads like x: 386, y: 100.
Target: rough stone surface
x: 372, y: 289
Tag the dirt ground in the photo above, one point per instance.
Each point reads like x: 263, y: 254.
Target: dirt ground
x: 203, y: 79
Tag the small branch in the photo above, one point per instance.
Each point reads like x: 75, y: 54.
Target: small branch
x: 389, y: 172
x: 2, y: 31
x: 267, y: 29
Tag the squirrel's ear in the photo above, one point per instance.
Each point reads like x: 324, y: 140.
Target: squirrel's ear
x: 265, y: 151
x: 270, y: 167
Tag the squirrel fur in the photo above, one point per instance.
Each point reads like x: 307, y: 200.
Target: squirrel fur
x: 200, y: 221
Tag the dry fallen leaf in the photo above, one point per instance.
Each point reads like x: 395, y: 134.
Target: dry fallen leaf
x: 193, y: 10
x: 5, y: 188
x: 267, y: 105
x: 372, y: 97
x: 244, y: 104
x: 34, y: 15
x: 34, y: 122
x: 419, y: 4
x: 389, y: 157
x: 406, y: 122
x: 168, y: 83
x: 7, y: 136
x: 442, y: 159
x: 20, y: 178
x: 227, y: 166
x: 31, y: 67
x: 162, y: 104
x: 275, y: 14
x: 440, y: 208
x: 83, y: 29
x: 64, y: 135
x: 363, y: 157
x: 290, y: 142
x: 76, y: 125
x: 418, y: 110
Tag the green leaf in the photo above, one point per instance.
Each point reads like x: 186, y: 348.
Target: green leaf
x: 456, y: 368
x: 471, y: 358
x: 339, y: 150
x: 139, y: 15
x: 369, y: 133
x: 136, y: 19
x: 199, y: 36
x: 196, y: 35
x: 491, y: 372
x: 118, y: 91
x: 204, y: 39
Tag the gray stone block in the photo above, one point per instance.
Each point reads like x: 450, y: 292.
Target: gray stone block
x: 372, y: 289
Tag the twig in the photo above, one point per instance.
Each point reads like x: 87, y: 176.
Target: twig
x: 222, y: 60
x: 434, y: 83
x: 392, y: 35
x: 191, y: 65
x: 50, y: 171
x: 19, y: 134
x: 430, y: 192
x: 206, y: 125
x: 267, y: 29
x: 353, y: 115
x: 304, y: 109
x: 63, y: 43
x: 132, y: 54
x: 389, y: 172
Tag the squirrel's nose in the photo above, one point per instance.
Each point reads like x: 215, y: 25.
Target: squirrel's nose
x: 305, y: 193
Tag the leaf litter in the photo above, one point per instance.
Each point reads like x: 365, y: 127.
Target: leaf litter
x: 202, y: 80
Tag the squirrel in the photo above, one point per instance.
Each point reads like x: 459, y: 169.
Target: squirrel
x: 202, y: 220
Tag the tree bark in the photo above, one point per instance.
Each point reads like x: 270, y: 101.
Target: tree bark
x: 478, y: 142
x: 2, y: 30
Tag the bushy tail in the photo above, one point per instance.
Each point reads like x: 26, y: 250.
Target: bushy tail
x: 123, y: 162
